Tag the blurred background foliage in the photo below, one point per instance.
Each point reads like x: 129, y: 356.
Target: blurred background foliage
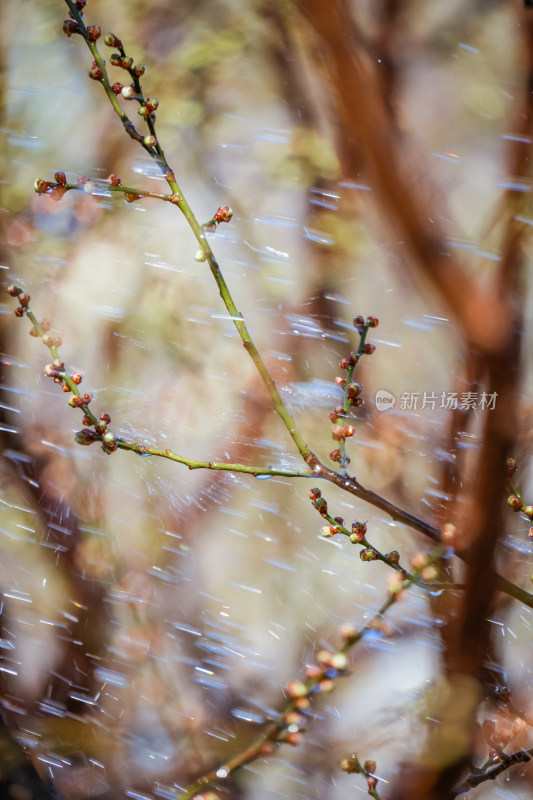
x: 153, y: 614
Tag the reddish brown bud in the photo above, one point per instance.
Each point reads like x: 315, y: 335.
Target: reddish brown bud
x: 33, y: 332
x: 369, y: 349
x: 100, y: 426
x: 24, y: 299
x: 93, y: 32
x: 314, y: 494
x: 335, y: 455
x: 223, y: 214
x: 117, y: 87
x: 95, y: 73
x: 57, y: 341
x: 514, y: 502
x: 139, y: 69
x: 394, y: 557
x: 152, y: 104
x: 105, y: 418
x: 76, y: 378
x: 296, y: 689
x: 86, y: 420
x: 14, y: 291
x: 60, y: 178
x: 321, y: 505
x: 70, y: 27
x: 372, y: 322
x: 19, y: 312
x: 115, y: 59
x: 86, y: 398
x: 127, y: 62
x: 358, y: 322
x: 46, y: 325
x: 66, y: 387
x: 340, y: 382
x: 354, y: 390
x: 85, y: 436
x: 41, y: 187
x: 337, y: 433
x: 511, y: 466
x: 368, y: 554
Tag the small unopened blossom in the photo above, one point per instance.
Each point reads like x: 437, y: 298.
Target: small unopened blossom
x: 349, y: 431
x: 70, y: 27
x: 128, y: 92
x: 418, y: 560
x: 112, y: 41
x: 150, y: 141
x: 127, y: 62
x: 394, y: 557
x: 200, y: 255
x: 321, y: 505
x: 394, y: 582
x: 347, y: 631
x: 327, y: 685
x: 24, y: 299
x: 369, y: 349
x: 76, y: 378
x: 58, y: 364
x: 327, y: 531
x: 139, y: 69
x: 430, y: 573
x: 368, y: 554
x: 223, y: 214
x: 449, y: 532
x: 528, y: 510
x: 41, y: 187
x: 293, y: 737
x: 57, y: 341
x: 95, y: 73
x: 372, y: 783
x: 152, y: 104
x: 93, y: 32
x: 114, y: 180
x: 336, y: 456
x: 337, y: 432
x: 324, y: 657
x: 370, y: 766
x: 296, y: 689
x: 511, y: 466
x: 340, y: 382
x: 372, y: 322
x: 313, y: 671
x: 339, y: 661
x: 358, y: 322
x: 14, y: 291
x: 117, y: 88
x: 60, y: 178
x: 85, y: 437
x: 315, y: 493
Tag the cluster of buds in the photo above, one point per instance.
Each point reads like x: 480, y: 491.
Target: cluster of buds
x: 147, y: 110
x: 55, y: 190
x: 367, y: 769
x: 318, y: 501
x: 80, y: 402
x: 70, y: 26
x: 358, y: 532
x: 295, y: 725
x: 22, y: 297
x: 100, y: 433
x: 428, y: 572
x: 119, y: 60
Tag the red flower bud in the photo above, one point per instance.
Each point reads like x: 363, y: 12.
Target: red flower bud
x: 93, y: 32
x: 223, y: 214
x: 114, y: 180
x: 117, y: 88
x: 70, y: 27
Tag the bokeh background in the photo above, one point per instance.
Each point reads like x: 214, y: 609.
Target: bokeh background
x: 152, y: 614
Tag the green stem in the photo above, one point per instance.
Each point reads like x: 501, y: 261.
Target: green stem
x: 142, y: 450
